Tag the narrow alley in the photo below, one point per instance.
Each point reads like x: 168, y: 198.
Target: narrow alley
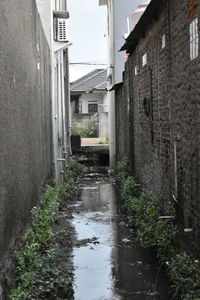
x: 99, y: 150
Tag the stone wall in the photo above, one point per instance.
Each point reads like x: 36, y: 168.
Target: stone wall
x: 162, y: 118
x: 25, y: 117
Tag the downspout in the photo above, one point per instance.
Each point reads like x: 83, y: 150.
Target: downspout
x: 53, y: 112
x: 68, y: 108
x: 67, y: 111
x: 175, y: 138
x: 63, y: 112
x: 175, y: 171
x: 111, y: 103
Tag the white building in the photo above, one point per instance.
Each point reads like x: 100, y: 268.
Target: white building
x: 89, y: 97
x: 118, y: 16
x: 54, y: 17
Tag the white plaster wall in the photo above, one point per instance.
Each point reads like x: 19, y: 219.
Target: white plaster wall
x: 105, y: 102
x: 85, y: 98
x: 103, y: 125
x: 44, y: 9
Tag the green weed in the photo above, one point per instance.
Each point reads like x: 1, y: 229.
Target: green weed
x: 38, y: 275
x: 87, y: 129
x: 183, y: 269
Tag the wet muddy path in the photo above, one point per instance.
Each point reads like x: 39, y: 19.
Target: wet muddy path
x: 108, y: 262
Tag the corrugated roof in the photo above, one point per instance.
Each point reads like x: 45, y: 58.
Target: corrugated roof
x: 95, y: 80
x: 150, y: 14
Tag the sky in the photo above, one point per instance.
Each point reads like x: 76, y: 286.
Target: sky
x: 87, y: 27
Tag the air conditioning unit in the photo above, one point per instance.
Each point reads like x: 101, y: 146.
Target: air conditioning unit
x: 62, y: 31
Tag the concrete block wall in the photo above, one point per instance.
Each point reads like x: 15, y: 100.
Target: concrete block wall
x: 25, y: 117
x: 170, y: 84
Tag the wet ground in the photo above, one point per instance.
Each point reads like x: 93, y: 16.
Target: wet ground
x: 109, y: 264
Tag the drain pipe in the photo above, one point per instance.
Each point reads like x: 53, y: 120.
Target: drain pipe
x: 68, y: 149
x: 175, y: 196
x: 111, y: 95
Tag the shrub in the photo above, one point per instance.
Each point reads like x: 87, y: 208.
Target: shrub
x: 38, y: 275
x: 122, y: 170
x: 76, y: 168
x: 183, y: 269
x: 87, y: 129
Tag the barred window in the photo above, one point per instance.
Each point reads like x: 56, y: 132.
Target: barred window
x: 144, y: 59
x: 194, y: 39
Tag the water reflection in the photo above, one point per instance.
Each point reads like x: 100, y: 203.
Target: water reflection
x: 108, y: 265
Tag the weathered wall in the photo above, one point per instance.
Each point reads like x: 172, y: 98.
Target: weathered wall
x: 103, y: 125
x: 185, y: 118
x: 122, y: 121
x: 169, y: 84
x: 25, y: 116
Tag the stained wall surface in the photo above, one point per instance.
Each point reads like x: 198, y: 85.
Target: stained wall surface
x: 25, y: 116
x: 158, y: 113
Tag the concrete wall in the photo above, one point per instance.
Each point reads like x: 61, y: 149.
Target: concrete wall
x: 103, y: 125
x: 25, y: 116
x: 169, y: 84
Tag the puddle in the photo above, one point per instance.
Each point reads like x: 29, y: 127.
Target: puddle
x: 109, y: 265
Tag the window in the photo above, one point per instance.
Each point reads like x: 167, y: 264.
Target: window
x: 144, y: 59
x: 163, y: 41
x: 92, y: 108
x: 136, y: 70
x: 194, y: 39
x: 78, y: 107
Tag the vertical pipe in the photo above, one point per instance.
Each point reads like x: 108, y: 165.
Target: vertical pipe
x: 175, y: 169
x: 53, y: 91
x: 111, y: 97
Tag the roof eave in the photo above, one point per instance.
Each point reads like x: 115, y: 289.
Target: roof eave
x: 77, y: 92
x: 103, y: 2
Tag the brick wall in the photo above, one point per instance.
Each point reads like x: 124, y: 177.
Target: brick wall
x: 163, y: 118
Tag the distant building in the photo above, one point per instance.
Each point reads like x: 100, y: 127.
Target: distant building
x: 89, y: 97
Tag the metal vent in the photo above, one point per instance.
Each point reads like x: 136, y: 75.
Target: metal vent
x: 62, y: 30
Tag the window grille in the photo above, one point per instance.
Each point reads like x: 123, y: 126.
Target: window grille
x: 163, y: 41
x: 194, y: 39
x: 144, y: 59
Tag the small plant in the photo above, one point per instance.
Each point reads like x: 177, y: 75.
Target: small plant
x: 76, y: 168
x: 122, y: 170
x: 38, y: 275
x: 87, y: 129
x: 183, y: 270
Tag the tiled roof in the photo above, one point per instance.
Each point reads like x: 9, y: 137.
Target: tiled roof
x: 95, y: 80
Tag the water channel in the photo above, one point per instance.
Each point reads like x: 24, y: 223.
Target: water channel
x: 109, y: 263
